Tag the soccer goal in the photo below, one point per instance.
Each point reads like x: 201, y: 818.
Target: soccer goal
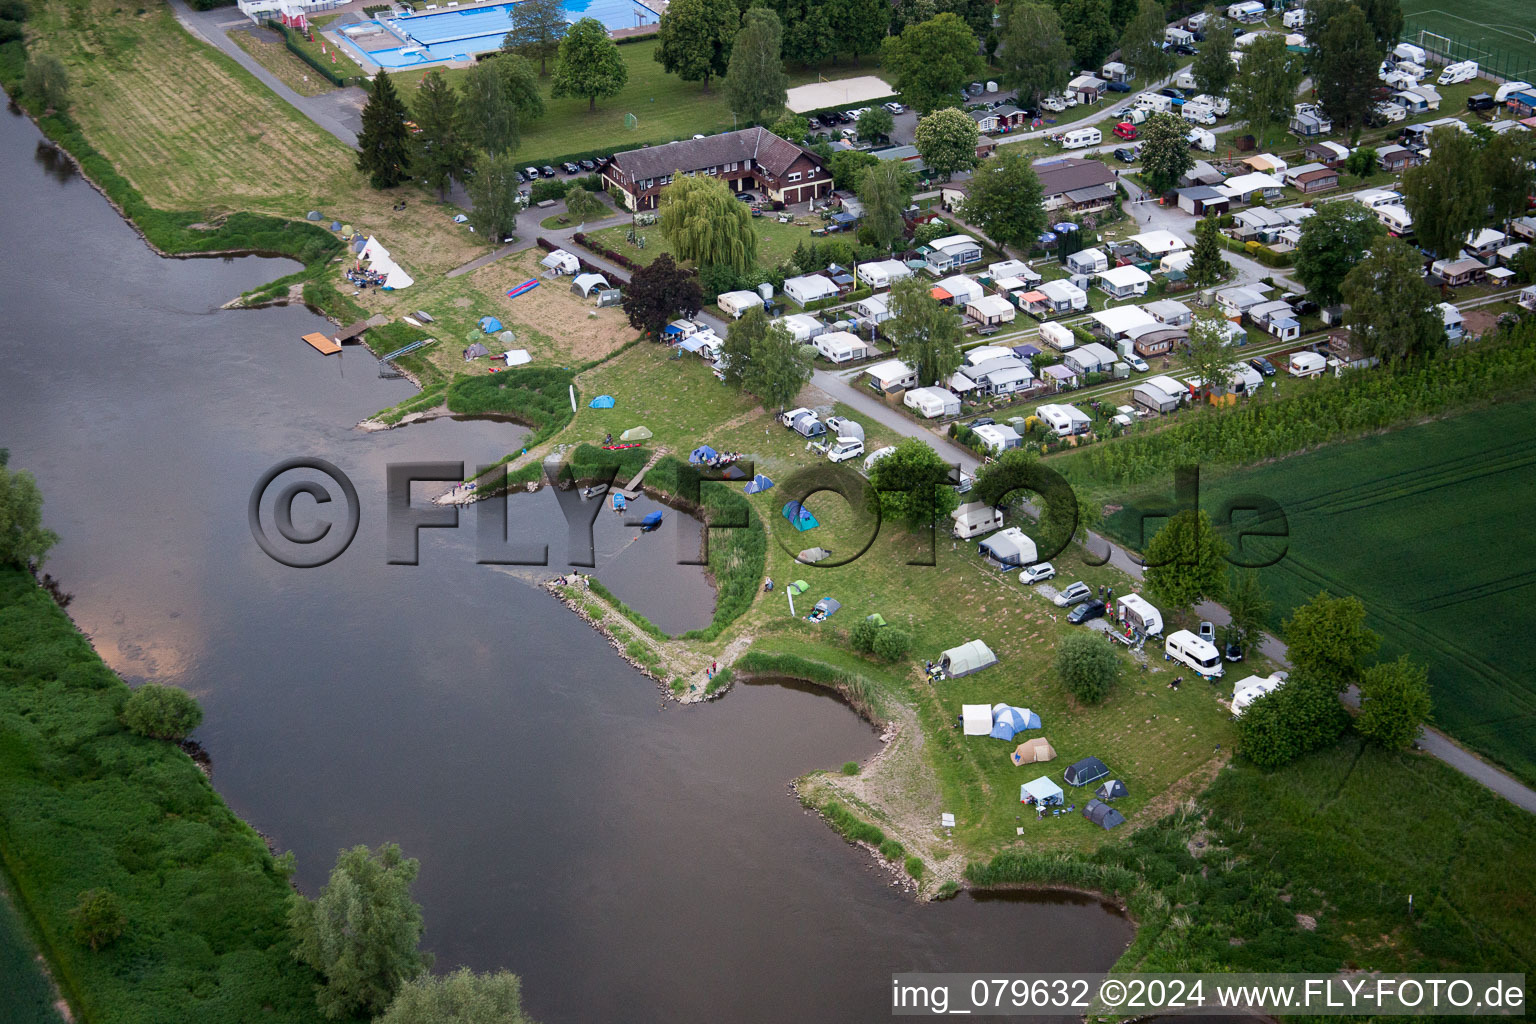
x: 631, y: 121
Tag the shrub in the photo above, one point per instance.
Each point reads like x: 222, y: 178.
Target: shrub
x: 850, y: 767
x: 98, y: 918
x: 892, y: 643
x: 948, y: 891
x: 1087, y: 666
x: 547, y: 188
x: 161, y: 712
x: 862, y: 636
x: 890, y: 849
x: 915, y: 866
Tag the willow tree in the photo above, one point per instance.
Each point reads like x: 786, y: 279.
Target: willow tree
x: 704, y: 223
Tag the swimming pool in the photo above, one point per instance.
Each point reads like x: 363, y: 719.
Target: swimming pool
x: 464, y: 31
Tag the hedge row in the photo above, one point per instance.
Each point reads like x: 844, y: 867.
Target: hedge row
x: 308, y: 58
x: 584, y: 240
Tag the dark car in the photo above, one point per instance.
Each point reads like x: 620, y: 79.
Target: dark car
x: 1119, y: 86
x: 981, y: 421
x: 1184, y: 50
x: 1172, y: 92
x: 1199, y: 35
x: 522, y: 179
x: 1306, y: 307
x: 1233, y: 652
x: 1087, y: 610
x: 1126, y: 154
x: 547, y: 171
x: 1482, y: 101
x: 571, y: 168
x: 1263, y: 365
x: 589, y: 166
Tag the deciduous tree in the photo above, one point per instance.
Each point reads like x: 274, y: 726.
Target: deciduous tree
x: 755, y: 83
x: 736, y: 352
x: 703, y: 222
x: 362, y: 934
x: 1327, y: 639
x: 858, y: 25
x: 808, y: 37
x: 930, y: 62
x: 1333, y: 240
x: 1213, y: 68
x: 1164, y: 152
x: 1345, y: 60
x: 1206, y: 354
x: 462, y: 997
x: 384, y: 144
x: 1394, y: 703
x: 1386, y: 20
x: 493, y: 193
x: 581, y: 205
x: 1006, y: 200
x: 1187, y: 561
x: 876, y: 123
x: 1035, y: 56
x: 46, y: 80
x: 500, y: 96
x: 885, y: 189
x: 443, y: 152
x: 1089, y: 30
x: 537, y: 28
x: 776, y: 368
x: 848, y: 167
x: 1264, y: 89
x: 1507, y: 174
x: 1248, y: 606
x: 925, y: 332
x: 659, y: 291
x: 1301, y: 716
x: 1087, y: 666
x: 947, y: 141
x: 1141, y: 44
x: 589, y: 64
x: 161, y: 712
x: 911, y: 486
x: 1445, y: 194
x: 98, y: 918
x: 1206, y: 266
x: 1361, y: 162
x: 23, y: 539
x: 1391, y: 307
x: 694, y: 38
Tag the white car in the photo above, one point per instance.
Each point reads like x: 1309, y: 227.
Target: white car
x: 1055, y: 104
x: 1074, y: 593
x: 1032, y: 574
x: 1137, y: 363
x: 895, y: 108
x: 846, y: 448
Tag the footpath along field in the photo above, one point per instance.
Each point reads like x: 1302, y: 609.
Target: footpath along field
x: 1430, y: 527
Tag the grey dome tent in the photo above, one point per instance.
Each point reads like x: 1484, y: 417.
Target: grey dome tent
x: 972, y: 656
x: 475, y: 351
x: 1086, y: 772
x: 827, y: 606
x: 1114, y: 789
x: 1100, y: 813
x: 813, y: 555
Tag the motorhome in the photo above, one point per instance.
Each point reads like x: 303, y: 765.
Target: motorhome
x: 1461, y: 71
x: 1220, y: 104
x: 1199, y: 113
x: 1189, y: 650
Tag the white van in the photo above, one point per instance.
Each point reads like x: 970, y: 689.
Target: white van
x: 1058, y: 336
x: 1080, y: 137
x: 846, y: 448
x: 1461, y: 71
x: 1202, y: 140
x: 1220, y: 104
x: 1199, y: 113
x: 1306, y: 364
x: 1189, y: 650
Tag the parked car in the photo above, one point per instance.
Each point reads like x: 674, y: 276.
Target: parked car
x: 813, y: 124
x: 1482, y: 101
x: 1184, y: 50
x: 571, y: 167
x: 1233, y: 652
x: 842, y: 426
x: 1172, y: 92
x: 1126, y: 154
x: 1207, y: 631
x: 981, y: 421
x: 1263, y: 365
x: 1093, y: 609
x: 746, y: 197
x: 1074, y: 593
x: 547, y: 171
x: 845, y: 449
x: 522, y: 179
x: 1137, y: 363
x: 1306, y: 307
x: 589, y: 166
x: 1037, y: 573
x: 532, y: 172
x: 788, y: 417
x: 1126, y: 130
x: 1119, y: 86
x: 895, y: 108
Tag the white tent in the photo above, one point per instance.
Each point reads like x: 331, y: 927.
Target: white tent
x: 971, y: 656
x: 1044, y: 791
x: 518, y: 356
x: 977, y: 719
x: 561, y: 262
x: 380, y: 263
x: 585, y: 283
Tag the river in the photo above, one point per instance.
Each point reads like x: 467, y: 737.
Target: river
x: 631, y: 860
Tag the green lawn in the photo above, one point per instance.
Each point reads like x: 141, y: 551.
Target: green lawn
x: 1428, y: 525
x: 1500, y: 36
x: 665, y: 108
x: 775, y: 242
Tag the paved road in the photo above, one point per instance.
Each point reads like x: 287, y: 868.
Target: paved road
x: 339, y: 111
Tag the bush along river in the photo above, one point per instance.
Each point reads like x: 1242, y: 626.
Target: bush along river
x: 632, y: 859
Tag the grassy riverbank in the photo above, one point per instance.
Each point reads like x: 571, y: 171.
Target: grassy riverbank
x: 85, y: 804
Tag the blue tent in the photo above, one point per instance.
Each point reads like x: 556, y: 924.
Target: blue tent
x: 703, y: 453
x: 651, y: 521
x: 800, y: 516
x: 335, y: 225
x: 489, y: 324
x: 601, y: 402
x: 759, y: 483
x: 359, y: 244
x: 1009, y: 721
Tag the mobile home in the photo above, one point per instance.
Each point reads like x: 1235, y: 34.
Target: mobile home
x: 1306, y: 364
x: 1139, y: 613
x: 891, y: 375
x: 1058, y: 336
x: 1189, y: 650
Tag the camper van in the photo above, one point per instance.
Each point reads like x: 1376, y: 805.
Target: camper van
x: 1138, y: 613
x: 1154, y: 102
x: 1508, y: 89
x: 1461, y: 71
x: 1058, y: 336
x: 1189, y: 650
x: 1080, y: 137
x: 1220, y: 104
x: 1199, y: 113
x: 1306, y: 364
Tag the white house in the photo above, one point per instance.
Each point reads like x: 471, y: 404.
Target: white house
x: 1124, y: 282
x: 1001, y: 376
x: 991, y: 310
x: 892, y: 375
x: 1088, y: 261
x: 734, y: 304
x: 1063, y: 296
x: 1065, y: 420
x: 1157, y: 244
x: 932, y: 402
x: 841, y: 347
x: 802, y: 326
x: 882, y: 273
x: 1238, y: 299
x: 809, y: 288
x: 1090, y: 358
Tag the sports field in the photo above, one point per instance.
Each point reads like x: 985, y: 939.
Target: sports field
x: 1430, y: 526
x: 1500, y: 36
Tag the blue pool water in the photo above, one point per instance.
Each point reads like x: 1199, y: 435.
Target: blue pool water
x: 475, y: 28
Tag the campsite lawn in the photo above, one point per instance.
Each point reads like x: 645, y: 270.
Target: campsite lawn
x: 1427, y: 525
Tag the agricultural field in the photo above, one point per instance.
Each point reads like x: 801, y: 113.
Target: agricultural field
x: 1499, y: 36
x: 1429, y: 526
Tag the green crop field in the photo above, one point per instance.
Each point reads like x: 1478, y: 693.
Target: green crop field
x: 1498, y: 35
x: 1430, y: 526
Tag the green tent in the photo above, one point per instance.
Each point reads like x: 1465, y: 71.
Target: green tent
x: 876, y: 618
x: 635, y: 434
x: 799, y: 587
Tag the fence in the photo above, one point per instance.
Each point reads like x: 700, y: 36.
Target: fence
x: 1492, y: 61
x: 329, y: 74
